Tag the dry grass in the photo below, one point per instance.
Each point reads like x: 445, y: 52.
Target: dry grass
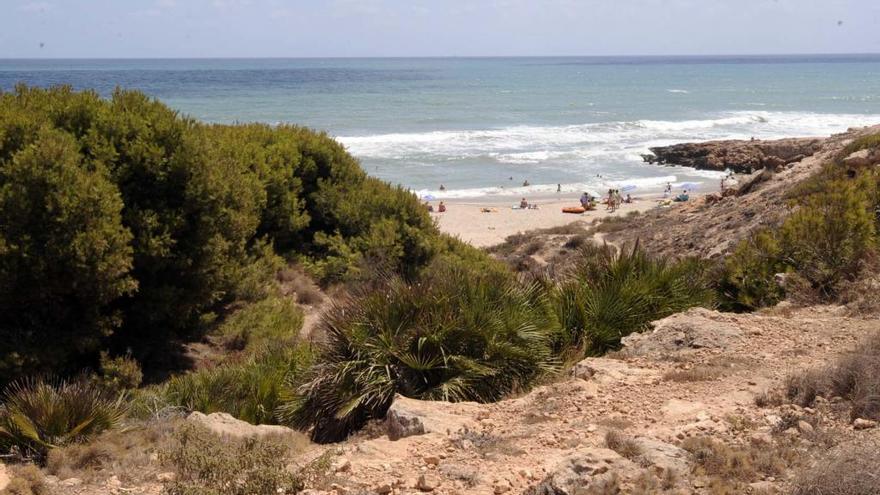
x: 622, y: 444
x: 128, y: 454
x: 26, y: 479
x: 294, y: 280
x: 853, y: 377
x: 849, y: 469
x: 649, y: 483
x: 732, y: 466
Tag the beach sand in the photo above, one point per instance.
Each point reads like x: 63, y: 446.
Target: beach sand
x: 464, y: 219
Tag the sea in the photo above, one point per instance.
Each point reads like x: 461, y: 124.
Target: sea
x: 484, y: 127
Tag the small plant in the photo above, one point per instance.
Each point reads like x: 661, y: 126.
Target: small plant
x: 456, y: 334
x: 38, y: 415
x: 120, y: 373
x: 849, y: 469
x: 26, y: 479
x: 622, y: 444
x: 209, y: 465
x: 272, y: 321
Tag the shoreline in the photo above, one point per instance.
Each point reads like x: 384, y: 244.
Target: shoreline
x: 465, y: 220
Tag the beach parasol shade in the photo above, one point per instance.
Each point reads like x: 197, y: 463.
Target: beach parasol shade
x: 428, y: 197
x: 628, y: 188
x: 689, y: 185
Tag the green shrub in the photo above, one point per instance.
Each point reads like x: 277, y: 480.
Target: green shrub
x: 38, y: 415
x: 249, y: 390
x: 119, y: 373
x: 272, y: 321
x: 610, y: 294
x: 747, y: 279
x: 828, y: 238
x: 207, y: 464
x: 871, y: 141
x: 455, y: 335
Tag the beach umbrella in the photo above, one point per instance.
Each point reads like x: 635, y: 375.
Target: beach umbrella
x: 428, y: 197
x: 628, y: 188
x: 689, y: 185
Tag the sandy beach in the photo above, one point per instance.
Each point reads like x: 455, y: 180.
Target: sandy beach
x: 465, y: 219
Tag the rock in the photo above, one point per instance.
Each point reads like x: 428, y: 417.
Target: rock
x: 341, y: 465
x: 804, y: 427
x: 166, y: 477
x: 738, y: 155
x: 582, y: 470
x: 663, y: 455
x: 502, y: 487
x: 862, y: 158
x: 864, y: 424
x: 763, y: 487
x: 71, y: 482
x: 428, y: 482
x: 4, y: 477
x: 761, y: 438
x: 432, y: 460
x: 407, y: 417
x: 224, y: 424
x: 383, y: 488
x: 608, y: 371
x: 696, y: 328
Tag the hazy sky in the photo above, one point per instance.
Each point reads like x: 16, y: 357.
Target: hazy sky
x: 316, y: 28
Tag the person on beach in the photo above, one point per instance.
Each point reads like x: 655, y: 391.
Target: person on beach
x: 629, y: 199
x: 442, y: 187
x: 681, y: 198
x: 523, y: 204
x: 525, y: 183
x: 586, y: 200
x: 429, y: 207
x: 668, y: 190
x: 559, y: 188
x: 441, y: 208
x: 609, y: 202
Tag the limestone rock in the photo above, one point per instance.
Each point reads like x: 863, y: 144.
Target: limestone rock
x: 428, y: 482
x: 737, y: 155
x: 663, y: 455
x: 862, y: 158
x: 224, y: 424
x: 407, y: 417
x: 695, y: 328
x: 71, y: 482
x: 864, y: 424
x: 4, y: 477
x: 581, y: 471
x: 608, y: 371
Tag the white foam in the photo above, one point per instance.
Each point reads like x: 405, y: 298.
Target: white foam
x: 679, y: 91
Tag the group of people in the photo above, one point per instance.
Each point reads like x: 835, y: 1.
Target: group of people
x: 615, y: 199
x: 441, y: 208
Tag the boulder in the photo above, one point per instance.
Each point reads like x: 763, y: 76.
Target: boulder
x: 663, y: 455
x: 407, y: 417
x: 862, y: 158
x: 606, y: 371
x: 224, y: 424
x: 738, y: 155
x: 582, y: 472
x: 864, y: 424
x: 696, y: 328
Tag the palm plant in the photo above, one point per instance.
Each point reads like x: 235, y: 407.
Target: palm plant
x: 455, y: 335
x: 38, y: 415
x: 610, y: 294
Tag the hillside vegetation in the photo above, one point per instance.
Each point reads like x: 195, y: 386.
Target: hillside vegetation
x: 127, y: 225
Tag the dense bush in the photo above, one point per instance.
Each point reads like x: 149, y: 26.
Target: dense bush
x: 824, y: 243
x: 273, y: 321
x: 249, y: 390
x: 121, y: 216
x: 38, y: 415
x: 610, y: 294
x: 456, y: 334
x: 748, y: 277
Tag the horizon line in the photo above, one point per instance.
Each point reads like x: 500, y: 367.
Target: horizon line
x: 402, y: 57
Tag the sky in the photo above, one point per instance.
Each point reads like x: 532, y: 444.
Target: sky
x: 403, y: 28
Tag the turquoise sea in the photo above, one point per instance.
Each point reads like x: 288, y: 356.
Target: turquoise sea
x: 482, y: 126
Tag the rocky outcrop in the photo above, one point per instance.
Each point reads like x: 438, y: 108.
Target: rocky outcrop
x: 696, y: 328
x: 407, y: 417
x: 586, y: 471
x: 739, y: 156
x: 225, y: 425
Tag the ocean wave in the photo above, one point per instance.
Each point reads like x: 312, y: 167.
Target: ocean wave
x: 679, y: 91
x: 597, y: 187
x: 534, y: 144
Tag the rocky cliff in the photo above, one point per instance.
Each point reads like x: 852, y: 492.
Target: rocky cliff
x: 738, y: 156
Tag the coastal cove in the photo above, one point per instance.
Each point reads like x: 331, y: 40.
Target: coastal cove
x: 483, y: 126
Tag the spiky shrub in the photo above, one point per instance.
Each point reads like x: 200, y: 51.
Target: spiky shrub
x: 248, y: 390
x: 455, y: 335
x: 609, y: 294
x: 38, y: 415
x: 747, y: 280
